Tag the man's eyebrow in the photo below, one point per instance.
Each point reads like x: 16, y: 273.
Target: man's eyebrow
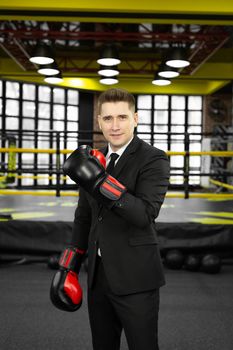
x: 109, y: 115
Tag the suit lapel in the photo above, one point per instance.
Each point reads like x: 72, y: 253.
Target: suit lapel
x: 129, y: 151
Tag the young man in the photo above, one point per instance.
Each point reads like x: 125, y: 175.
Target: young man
x: 114, y: 220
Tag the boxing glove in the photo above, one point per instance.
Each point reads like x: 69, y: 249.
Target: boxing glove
x: 65, y: 291
x: 86, y: 167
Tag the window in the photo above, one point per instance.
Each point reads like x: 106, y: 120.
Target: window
x: 29, y: 92
x: 12, y: 89
x: 12, y: 107
x: 163, y: 122
x: 34, y: 115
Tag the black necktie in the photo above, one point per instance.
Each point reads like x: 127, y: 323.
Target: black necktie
x: 111, y: 164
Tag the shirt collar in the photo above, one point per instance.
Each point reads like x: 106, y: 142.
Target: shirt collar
x: 119, y: 152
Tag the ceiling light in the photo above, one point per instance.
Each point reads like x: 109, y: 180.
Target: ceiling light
x: 108, y: 81
x: 160, y: 81
x: 177, y: 58
x: 49, y: 69
x: 54, y: 79
x: 107, y: 71
x: 168, y: 72
x: 109, y: 56
x: 42, y: 54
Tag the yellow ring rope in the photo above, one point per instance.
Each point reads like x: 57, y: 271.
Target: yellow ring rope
x: 222, y: 184
x: 31, y: 150
x: 66, y: 151
x: 76, y: 194
x: 33, y: 177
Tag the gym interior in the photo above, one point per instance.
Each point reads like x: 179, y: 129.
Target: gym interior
x: 47, y: 110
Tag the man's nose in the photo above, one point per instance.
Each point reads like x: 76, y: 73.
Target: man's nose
x: 115, y: 124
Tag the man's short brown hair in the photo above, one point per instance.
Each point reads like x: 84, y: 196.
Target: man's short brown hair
x: 116, y: 95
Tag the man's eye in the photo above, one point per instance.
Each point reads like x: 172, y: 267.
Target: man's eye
x: 106, y: 119
x: 122, y: 117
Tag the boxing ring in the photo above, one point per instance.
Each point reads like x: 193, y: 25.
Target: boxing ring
x: 194, y: 222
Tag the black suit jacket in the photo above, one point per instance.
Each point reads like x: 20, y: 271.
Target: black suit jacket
x: 126, y: 234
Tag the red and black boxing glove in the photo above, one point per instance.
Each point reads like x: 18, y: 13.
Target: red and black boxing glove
x: 86, y: 167
x: 66, y: 292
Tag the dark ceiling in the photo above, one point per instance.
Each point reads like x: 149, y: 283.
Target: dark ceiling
x: 145, y: 43
x: 142, y: 48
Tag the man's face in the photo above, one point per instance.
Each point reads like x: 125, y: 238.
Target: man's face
x: 117, y: 122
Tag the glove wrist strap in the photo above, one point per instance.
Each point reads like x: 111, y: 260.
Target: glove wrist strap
x: 71, y: 259
x: 112, y: 189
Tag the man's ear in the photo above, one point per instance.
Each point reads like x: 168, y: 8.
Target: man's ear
x: 135, y: 119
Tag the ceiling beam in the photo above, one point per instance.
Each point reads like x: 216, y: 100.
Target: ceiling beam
x: 169, y: 6
x: 183, y: 11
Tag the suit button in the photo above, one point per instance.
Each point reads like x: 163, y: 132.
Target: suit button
x: 100, y: 218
